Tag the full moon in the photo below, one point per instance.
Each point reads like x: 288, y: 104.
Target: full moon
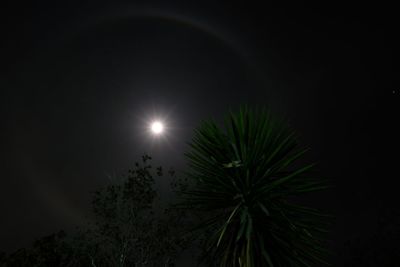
x: 157, y: 127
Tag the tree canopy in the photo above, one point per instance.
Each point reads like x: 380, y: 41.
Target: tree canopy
x: 127, y: 228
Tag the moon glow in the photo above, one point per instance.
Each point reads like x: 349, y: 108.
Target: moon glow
x: 157, y: 127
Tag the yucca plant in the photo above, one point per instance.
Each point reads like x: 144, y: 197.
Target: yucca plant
x: 243, y: 178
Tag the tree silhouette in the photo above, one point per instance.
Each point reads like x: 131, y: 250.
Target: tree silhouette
x: 50, y: 250
x: 128, y: 228
x: 243, y: 179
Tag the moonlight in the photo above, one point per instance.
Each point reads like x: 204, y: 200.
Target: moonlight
x: 157, y: 127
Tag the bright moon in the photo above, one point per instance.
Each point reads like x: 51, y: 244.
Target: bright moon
x: 157, y: 127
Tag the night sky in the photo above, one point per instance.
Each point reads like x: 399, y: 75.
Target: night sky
x: 81, y: 82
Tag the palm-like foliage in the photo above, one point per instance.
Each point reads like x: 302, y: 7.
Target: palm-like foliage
x: 243, y: 178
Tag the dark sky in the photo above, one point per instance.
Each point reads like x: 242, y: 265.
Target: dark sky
x: 81, y: 81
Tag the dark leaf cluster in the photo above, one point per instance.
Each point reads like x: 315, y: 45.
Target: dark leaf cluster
x: 128, y: 228
x: 244, y: 177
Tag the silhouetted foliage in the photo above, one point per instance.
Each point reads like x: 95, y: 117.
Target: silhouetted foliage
x: 238, y: 187
x: 129, y: 228
x: 244, y: 176
x: 51, y: 250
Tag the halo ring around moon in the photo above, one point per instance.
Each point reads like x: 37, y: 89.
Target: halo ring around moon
x: 89, y: 23
x: 214, y: 31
